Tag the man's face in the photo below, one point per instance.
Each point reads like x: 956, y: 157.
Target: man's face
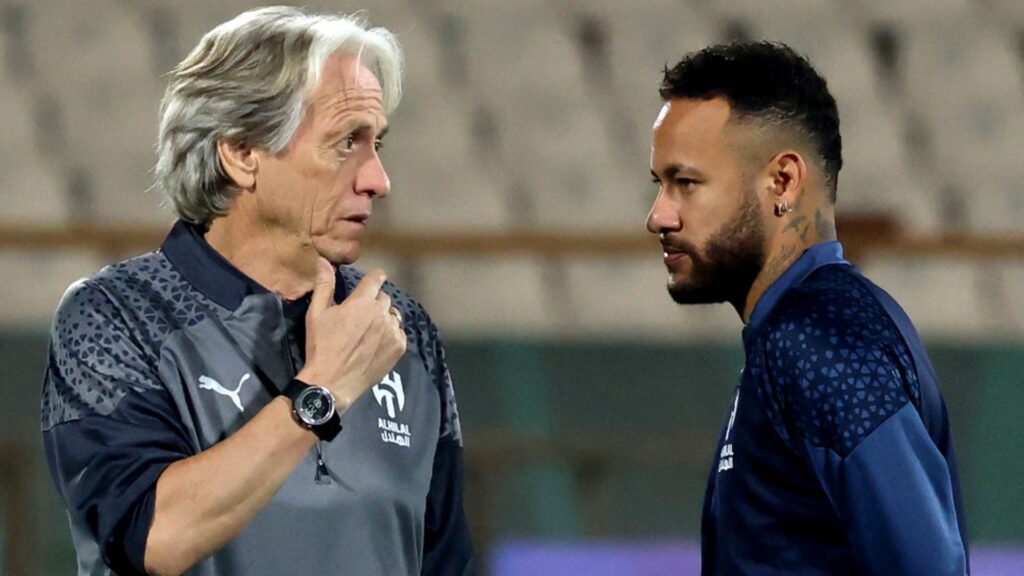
x: 707, y: 213
x: 320, y: 189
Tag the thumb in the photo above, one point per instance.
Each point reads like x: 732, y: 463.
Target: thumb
x: 323, y: 289
x: 370, y: 285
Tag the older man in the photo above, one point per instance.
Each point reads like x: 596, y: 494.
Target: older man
x: 836, y: 456
x: 205, y: 405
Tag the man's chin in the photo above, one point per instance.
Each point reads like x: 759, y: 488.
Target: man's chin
x: 339, y: 253
x: 691, y: 294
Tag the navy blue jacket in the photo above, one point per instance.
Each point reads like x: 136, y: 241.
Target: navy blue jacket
x: 837, y: 456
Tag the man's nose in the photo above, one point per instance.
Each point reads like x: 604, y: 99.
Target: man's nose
x: 372, y: 179
x: 664, y: 215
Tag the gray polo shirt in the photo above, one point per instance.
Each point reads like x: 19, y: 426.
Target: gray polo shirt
x: 162, y: 356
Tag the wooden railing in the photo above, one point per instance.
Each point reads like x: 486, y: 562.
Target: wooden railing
x: 865, y: 237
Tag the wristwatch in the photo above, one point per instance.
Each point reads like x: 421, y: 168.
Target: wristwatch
x: 313, y: 407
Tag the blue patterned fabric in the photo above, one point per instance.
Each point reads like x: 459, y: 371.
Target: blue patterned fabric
x: 835, y: 458
x: 837, y: 362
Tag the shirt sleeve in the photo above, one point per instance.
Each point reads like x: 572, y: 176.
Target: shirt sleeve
x: 848, y: 397
x: 448, y: 548
x: 109, y: 427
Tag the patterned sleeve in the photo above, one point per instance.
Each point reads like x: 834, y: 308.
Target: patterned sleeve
x: 109, y: 427
x: 448, y: 548
x: 847, y: 394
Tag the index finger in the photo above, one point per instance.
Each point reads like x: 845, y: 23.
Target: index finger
x: 371, y: 284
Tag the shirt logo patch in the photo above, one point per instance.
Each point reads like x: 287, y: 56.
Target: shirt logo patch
x: 207, y: 383
x: 390, y: 395
x: 725, y: 458
x: 390, y: 391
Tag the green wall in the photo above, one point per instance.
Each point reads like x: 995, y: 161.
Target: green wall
x: 609, y: 439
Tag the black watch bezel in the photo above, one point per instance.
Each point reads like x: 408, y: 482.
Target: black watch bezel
x: 325, y: 427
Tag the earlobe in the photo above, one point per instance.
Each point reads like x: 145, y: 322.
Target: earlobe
x: 239, y: 163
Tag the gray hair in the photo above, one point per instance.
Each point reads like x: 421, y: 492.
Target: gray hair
x: 247, y: 82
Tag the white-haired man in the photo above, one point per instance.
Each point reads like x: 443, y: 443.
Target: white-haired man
x: 205, y: 407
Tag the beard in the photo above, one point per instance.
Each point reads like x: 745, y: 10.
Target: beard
x: 731, y: 260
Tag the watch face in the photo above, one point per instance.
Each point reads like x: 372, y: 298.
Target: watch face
x: 315, y: 405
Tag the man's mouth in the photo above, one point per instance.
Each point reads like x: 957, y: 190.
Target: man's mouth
x: 360, y: 218
x: 674, y: 255
x: 674, y: 258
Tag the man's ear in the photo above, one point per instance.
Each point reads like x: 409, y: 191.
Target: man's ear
x: 788, y: 173
x: 239, y: 163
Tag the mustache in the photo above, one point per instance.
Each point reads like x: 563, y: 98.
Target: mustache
x: 678, y: 245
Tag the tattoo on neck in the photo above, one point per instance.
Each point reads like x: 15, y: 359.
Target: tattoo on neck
x: 778, y: 264
x: 773, y: 269
x: 795, y: 223
x: 826, y: 230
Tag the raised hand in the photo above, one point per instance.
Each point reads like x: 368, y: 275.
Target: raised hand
x: 352, y: 345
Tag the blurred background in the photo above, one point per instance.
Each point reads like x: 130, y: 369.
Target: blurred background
x: 519, y: 164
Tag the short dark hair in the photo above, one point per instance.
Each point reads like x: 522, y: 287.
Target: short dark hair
x: 769, y: 81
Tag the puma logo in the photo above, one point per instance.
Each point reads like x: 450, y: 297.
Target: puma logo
x: 207, y: 383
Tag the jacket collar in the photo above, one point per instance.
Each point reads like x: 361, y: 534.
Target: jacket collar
x: 813, y: 258
x: 205, y: 269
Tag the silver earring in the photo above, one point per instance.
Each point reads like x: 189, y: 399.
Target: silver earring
x: 783, y: 208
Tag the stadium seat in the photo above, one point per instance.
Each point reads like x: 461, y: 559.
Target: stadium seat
x: 529, y: 72
x: 940, y: 294
x: 874, y: 135
x: 822, y: 31
x: 424, y: 57
x: 978, y: 121
x: 994, y: 202
x: 910, y: 11
x: 78, y: 43
x: 625, y: 297
x: 507, y: 295
x: 94, y: 60
x: 18, y: 136
x: 32, y: 193
x: 639, y: 45
x: 31, y: 295
x: 913, y: 200
x: 880, y: 173
x: 1007, y: 10
x: 440, y: 178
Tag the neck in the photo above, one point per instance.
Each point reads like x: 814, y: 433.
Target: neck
x: 282, y: 263
x: 807, y: 225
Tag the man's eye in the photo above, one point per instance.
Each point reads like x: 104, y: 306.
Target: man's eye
x: 348, y: 143
x: 378, y: 144
x: 685, y: 182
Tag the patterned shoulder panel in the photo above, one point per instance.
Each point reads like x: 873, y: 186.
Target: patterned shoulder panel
x: 837, y: 366
x: 422, y: 334
x: 107, y: 334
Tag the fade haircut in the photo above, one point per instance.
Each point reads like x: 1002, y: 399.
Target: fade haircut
x: 770, y: 82
x: 247, y: 82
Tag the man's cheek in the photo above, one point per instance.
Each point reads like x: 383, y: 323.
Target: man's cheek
x: 318, y: 211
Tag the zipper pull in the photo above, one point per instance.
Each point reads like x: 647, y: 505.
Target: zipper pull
x: 323, y: 475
